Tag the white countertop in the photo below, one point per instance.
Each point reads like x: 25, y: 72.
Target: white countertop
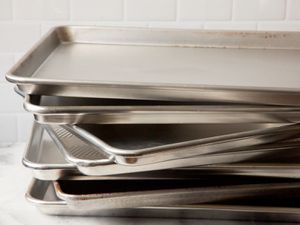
x: 14, y: 210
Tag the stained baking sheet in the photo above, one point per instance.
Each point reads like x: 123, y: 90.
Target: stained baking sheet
x: 68, y: 110
x: 163, y: 64
x: 42, y: 195
x: 97, y: 194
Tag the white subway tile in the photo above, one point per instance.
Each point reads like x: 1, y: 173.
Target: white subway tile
x: 45, y: 27
x: 5, y: 10
x: 10, y: 101
x: 293, y: 10
x: 205, y: 9
x: 41, y: 9
x: 91, y: 10
x: 8, y: 128
x: 177, y: 25
x: 259, y: 9
x: 16, y: 37
x: 230, y: 26
x: 151, y: 10
x: 283, y: 26
x: 123, y: 23
x: 6, y: 61
x: 25, y: 121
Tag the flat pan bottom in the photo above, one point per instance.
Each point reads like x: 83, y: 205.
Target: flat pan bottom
x: 172, y: 65
x: 41, y: 193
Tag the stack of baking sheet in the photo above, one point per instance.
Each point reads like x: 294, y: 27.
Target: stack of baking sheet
x: 163, y: 123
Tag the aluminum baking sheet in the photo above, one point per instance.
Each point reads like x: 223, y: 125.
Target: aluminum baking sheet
x: 142, y: 144
x: 42, y: 195
x: 163, y: 64
x: 91, y: 161
x: 67, y: 110
x: 44, y: 159
x: 47, y: 162
x: 95, y: 194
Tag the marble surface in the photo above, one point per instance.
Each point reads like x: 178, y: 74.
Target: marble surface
x: 14, y: 210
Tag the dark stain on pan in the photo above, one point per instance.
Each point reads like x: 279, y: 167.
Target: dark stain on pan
x: 64, y: 34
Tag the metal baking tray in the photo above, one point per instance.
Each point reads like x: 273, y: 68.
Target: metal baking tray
x: 129, y: 193
x: 163, y: 64
x: 43, y: 157
x: 91, y: 161
x: 67, y: 110
x: 142, y: 144
x: 47, y: 162
x: 42, y: 195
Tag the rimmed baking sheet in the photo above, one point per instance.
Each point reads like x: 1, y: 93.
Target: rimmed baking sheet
x: 163, y: 64
x: 97, y: 194
x: 142, y: 144
x: 42, y: 195
x: 47, y: 162
x: 68, y: 110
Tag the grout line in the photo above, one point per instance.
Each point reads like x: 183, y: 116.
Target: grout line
x: 287, y: 3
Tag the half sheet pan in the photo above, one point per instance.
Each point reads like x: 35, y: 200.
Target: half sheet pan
x: 141, y: 144
x: 67, y: 110
x: 42, y: 195
x: 91, y: 161
x: 95, y: 194
x: 47, y: 162
x: 163, y: 64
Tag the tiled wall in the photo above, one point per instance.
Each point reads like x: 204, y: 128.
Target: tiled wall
x: 22, y: 22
